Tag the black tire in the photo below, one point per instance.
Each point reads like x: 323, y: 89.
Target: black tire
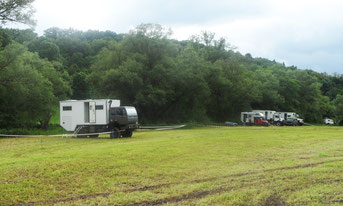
x: 115, y: 133
x: 127, y: 133
x: 278, y: 123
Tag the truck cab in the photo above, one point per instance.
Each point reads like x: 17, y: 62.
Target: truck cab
x: 123, y: 119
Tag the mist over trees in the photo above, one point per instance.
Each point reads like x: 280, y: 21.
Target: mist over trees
x: 202, y: 79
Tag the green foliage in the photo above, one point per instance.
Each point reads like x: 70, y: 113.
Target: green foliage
x: 16, y: 11
x: 33, y: 93
x: 80, y: 86
x: 29, y: 87
x: 46, y: 48
x: 200, y: 80
x: 338, y: 102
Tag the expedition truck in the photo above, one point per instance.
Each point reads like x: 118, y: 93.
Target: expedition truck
x: 253, y: 118
x: 86, y: 117
x: 271, y: 116
x: 286, y: 115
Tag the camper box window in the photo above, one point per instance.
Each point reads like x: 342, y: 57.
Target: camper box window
x: 99, y: 107
x: 67, y: 108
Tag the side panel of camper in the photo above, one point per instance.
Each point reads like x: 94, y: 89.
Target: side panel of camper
x: 71, y: 112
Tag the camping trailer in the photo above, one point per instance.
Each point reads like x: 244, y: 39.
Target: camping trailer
x: 98, y: 115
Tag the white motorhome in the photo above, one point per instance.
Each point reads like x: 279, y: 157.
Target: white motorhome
x: 98, y: 115
x: 268, y: 114
x: 286, y: 115
x: 272, y: 116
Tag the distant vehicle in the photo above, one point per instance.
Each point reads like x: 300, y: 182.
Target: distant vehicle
x: 271, y: 116
x: 328, y: 121
x: 286, y: 115
x: 231, y: 124
x: 253, y: 118
x: 291, y: 121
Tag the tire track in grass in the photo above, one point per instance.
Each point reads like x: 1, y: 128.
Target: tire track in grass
x: 327, y: 200
x: 188, y: 196
x: 202, y: 194
x: 69, y: 199
x: 196, y: 194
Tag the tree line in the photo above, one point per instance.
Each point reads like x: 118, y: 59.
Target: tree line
x: 201, y: 79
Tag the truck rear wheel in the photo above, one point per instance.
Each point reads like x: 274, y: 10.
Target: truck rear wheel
x: 115, y: 133
x: 127, y: 133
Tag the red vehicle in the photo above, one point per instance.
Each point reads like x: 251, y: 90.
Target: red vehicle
x: 253, y: 118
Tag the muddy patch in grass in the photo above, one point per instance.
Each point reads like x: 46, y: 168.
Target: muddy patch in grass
x: 274, y: 200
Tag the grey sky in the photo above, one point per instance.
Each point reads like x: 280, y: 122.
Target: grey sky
x: 304, y: 33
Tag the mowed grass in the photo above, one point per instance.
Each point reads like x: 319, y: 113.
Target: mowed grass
x: 201, y: 166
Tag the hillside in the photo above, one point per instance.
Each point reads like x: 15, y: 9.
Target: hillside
x: 202, y: 79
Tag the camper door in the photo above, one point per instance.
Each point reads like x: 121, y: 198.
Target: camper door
x: 92, y: 112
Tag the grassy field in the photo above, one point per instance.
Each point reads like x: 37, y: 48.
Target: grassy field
x: 201, y: 166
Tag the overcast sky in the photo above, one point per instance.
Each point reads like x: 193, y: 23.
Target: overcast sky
x: 304, y: 33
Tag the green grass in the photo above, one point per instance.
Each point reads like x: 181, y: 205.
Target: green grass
x: 200, y: 166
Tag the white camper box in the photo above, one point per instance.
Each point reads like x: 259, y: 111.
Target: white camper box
x: 286, y: 115
x: 268, y: 114
x: 85, y: 112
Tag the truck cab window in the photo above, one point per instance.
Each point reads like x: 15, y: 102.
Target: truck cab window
x: 118, y: 111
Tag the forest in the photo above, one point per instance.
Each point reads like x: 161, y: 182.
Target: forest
x: 203, y: 79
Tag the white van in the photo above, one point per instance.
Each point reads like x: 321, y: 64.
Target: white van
x: 328, y: 121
